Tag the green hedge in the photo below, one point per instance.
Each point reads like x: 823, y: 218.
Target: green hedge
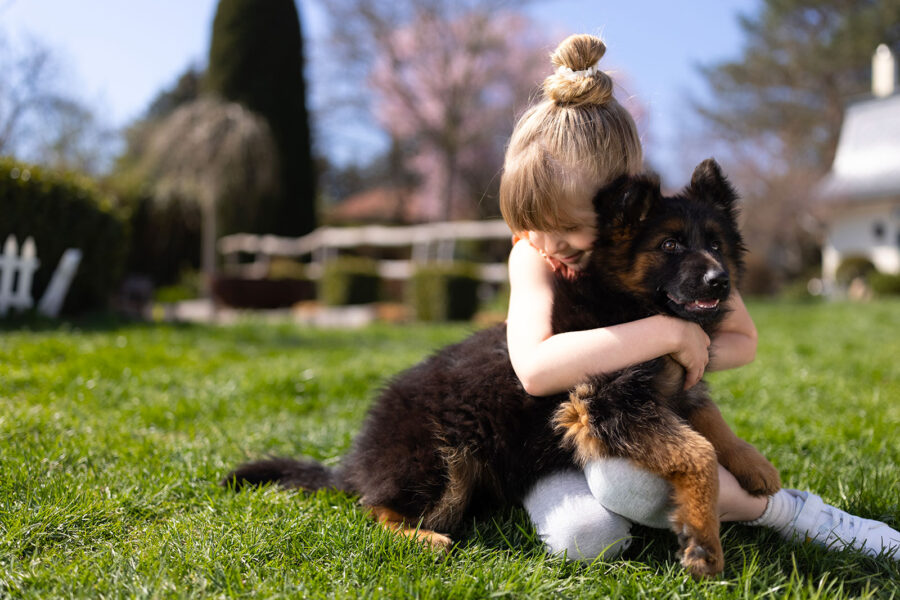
x: 349, y: 280
x: 853, y: 268
x: 884, y: 284
x: 444, y: 292
x: 64, y: 211
x: 164, y: 238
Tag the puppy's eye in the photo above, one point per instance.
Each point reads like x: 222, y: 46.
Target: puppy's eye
x: 669, y: 245
x: 715, y: 245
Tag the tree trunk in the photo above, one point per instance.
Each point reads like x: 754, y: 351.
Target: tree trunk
x: 208, y: 233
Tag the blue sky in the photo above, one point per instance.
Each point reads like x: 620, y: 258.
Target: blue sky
x: 117, y: 55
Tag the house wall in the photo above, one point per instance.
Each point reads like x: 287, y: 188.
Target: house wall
x: 871, y: 231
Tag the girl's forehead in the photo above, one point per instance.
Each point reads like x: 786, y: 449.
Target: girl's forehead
x: 576, y: 207
x: 566, y: 213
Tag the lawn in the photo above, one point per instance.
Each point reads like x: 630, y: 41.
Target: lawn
x: 113, y: 437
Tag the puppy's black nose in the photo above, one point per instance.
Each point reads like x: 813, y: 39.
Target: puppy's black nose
x: 716, y: 279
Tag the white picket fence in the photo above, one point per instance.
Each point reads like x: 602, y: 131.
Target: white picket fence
x: 427, y: 242
x: 17, y: 272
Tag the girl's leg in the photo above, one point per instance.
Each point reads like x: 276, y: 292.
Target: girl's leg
x: 571, y: 522
x: 735, y: 504
x: 630, y: 491
x: 642, y: 497
x: 803, y: 517
x: 626, y: 489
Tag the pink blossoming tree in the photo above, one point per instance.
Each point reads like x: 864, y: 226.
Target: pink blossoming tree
x: 448, y: 91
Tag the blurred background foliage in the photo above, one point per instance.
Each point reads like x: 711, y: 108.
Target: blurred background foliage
x: 416, y: 69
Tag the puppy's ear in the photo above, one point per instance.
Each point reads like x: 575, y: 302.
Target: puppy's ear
x: 709, y: 184
x: 627, y: 201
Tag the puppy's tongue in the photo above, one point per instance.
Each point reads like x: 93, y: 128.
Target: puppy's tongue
x: 702, y: 305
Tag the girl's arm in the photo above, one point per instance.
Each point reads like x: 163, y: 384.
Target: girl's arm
x: 547, y: 364
x: 734, y: 344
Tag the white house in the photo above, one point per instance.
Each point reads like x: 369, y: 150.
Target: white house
x: 863, y: 186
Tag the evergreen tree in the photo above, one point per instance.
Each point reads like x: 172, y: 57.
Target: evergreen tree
x: 775, y: 116
x: 803, y: 62
x: 256, y: 59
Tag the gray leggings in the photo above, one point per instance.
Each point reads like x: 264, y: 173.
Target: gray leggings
x: 586, y: 514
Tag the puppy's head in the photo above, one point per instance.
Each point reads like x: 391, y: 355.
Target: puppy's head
x: 679, y: 253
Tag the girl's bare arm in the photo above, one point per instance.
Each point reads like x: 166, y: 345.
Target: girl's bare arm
x: 734, y: 344
x: 548, y: 364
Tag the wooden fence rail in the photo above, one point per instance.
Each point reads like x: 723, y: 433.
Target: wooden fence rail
x: 427, y: 242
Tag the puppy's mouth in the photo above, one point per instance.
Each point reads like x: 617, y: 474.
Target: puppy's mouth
x: 700, y: 306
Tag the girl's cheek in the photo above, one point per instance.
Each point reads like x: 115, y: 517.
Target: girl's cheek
x: 587, y: 238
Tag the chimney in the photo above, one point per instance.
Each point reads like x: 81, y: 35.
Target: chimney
x: 884, y: 71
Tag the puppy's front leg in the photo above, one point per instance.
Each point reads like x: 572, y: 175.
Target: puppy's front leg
x: 752, y: 470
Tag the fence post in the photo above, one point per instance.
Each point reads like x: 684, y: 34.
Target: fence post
x: 10, y: 264
x: 7, y: 272
x: 52, y: 300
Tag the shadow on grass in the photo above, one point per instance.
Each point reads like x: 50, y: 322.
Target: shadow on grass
x: 287, y: 335
x: 754, y: 557
x: 92, y: 322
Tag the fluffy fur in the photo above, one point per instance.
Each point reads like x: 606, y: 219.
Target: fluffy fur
x: 456, y: 434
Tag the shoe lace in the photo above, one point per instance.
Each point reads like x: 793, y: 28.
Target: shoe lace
x: 842, y: 524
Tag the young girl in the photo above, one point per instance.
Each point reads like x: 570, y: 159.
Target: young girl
x: 562, y: 151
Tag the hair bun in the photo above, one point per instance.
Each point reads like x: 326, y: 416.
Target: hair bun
x: 578, y: 79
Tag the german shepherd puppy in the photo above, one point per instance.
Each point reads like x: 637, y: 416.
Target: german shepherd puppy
x: 456, y: 434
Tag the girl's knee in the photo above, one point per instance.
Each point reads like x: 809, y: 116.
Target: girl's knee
x: 571, y: 522
x: 585, y: 537
x: 626, y: 489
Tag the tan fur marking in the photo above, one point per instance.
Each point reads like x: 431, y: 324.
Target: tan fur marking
x: 688, y: 462
x: 633, y: 277
x: 464, y: 472
x: 573, y: 419
x: 670, y: 380
x: 397, y: 523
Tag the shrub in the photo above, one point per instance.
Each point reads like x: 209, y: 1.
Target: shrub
x: 444, y: 292
x: 884, y: 284
x: 349, y: 280
x: 60, y: 211
x: 240, y: 292
x: 855, y: 267
x: 162, y: 258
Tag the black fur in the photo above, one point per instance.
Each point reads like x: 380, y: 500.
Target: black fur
x: 457, y: 434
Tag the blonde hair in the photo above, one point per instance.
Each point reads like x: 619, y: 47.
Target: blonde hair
x: 573, y: 142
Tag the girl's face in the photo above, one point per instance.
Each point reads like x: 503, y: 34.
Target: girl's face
x: 572, y: 244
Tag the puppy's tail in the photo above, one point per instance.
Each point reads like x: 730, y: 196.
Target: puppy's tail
x: 289, y: 473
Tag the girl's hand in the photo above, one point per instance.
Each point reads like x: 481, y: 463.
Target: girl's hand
x: 691, y: 350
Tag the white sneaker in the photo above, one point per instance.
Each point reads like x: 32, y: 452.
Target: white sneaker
x: 835, y: 529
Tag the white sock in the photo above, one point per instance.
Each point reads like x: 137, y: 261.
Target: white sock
x: 780, y: 512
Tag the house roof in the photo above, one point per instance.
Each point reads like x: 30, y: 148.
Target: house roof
x: 867, y: 161
x: 377, y: 205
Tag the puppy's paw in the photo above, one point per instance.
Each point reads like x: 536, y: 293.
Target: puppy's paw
x: 437, y: 541
x: 701, y: 554
x: 752, y: 470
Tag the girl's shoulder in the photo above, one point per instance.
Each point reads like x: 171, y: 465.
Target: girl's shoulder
x: 526, y: 258
x: 525, y: 255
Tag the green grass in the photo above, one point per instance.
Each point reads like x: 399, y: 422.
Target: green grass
x: 112, y: 439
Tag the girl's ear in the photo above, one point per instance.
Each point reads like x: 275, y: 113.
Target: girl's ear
x: 627, y: 201
x: 708, y: 184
